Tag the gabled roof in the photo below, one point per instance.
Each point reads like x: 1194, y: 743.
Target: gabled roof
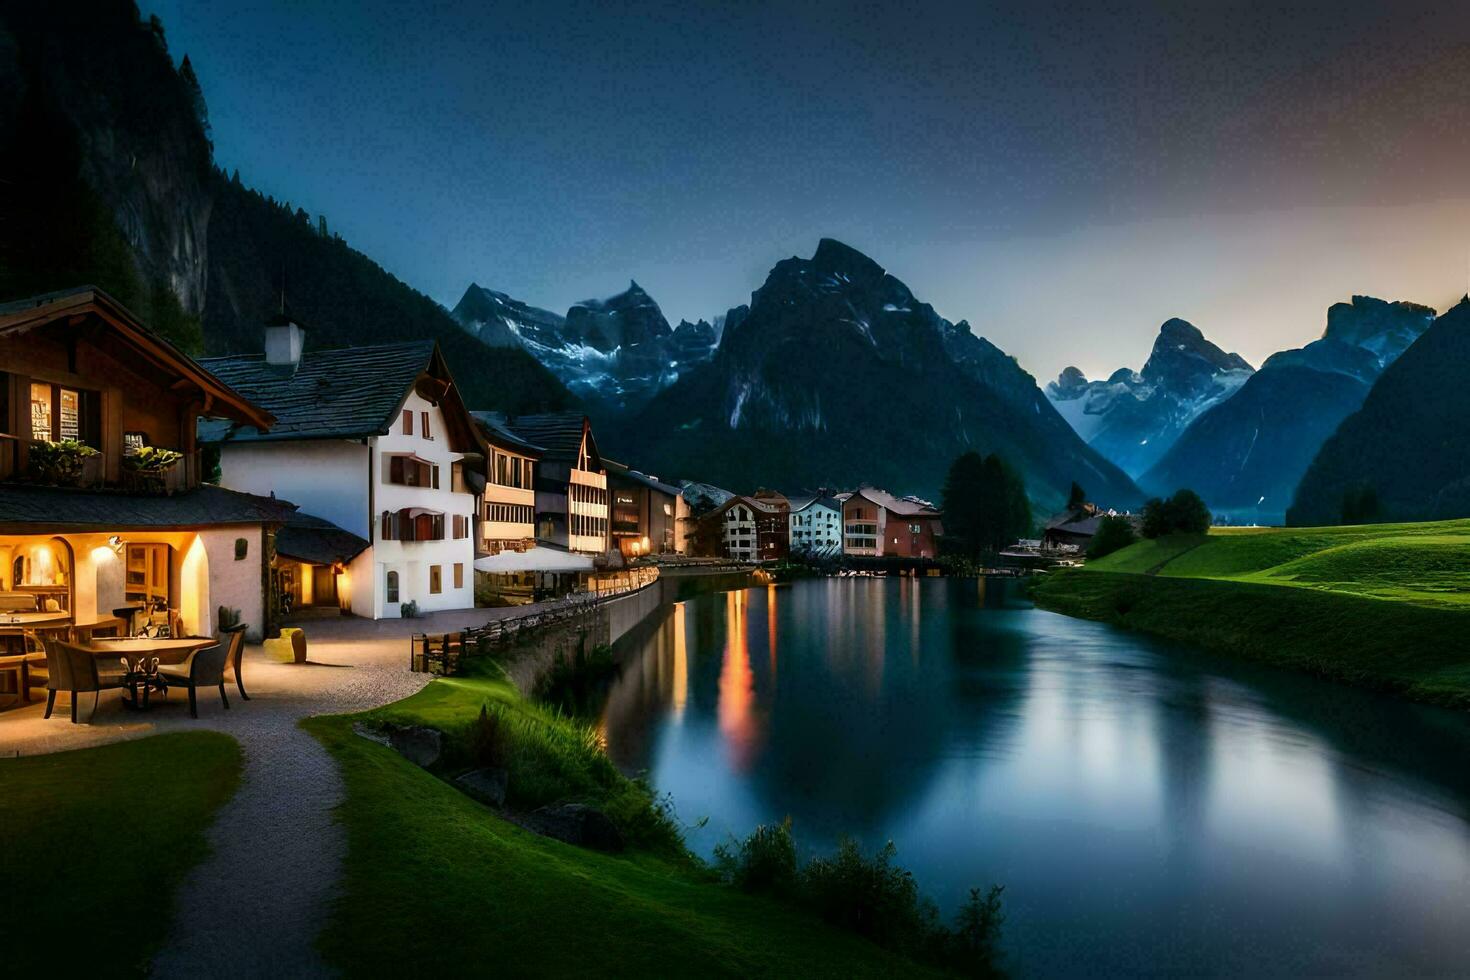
x: 37, y: 510
x: 217, y: 395
x: 559, y: 434
x: 801, y: 503
x: 624, y: 471
x: 317, y: 541
x: 493, y: 429
x: 350, y: 392
x: 763, y: 505
x: 905, y: 506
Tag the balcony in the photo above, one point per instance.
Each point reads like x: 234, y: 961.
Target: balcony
x: 146, y: 470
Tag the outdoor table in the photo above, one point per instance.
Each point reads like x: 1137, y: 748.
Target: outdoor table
x: 142, y: 655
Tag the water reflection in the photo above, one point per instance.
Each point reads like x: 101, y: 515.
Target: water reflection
x: 1148, y: 808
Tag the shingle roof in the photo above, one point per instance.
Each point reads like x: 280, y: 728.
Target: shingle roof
x: 35, y: 510
x: 559, y: 434
x: 492, y: 426
x: 907, y: 506
x: 345, y: 393
x: 309, y: 538
x: 627, y: 472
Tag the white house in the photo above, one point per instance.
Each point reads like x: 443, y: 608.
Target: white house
x: 373, y: 441
x: 816, y: 526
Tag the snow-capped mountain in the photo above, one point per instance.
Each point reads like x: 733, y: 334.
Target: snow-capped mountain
x: 1247, y: 455
x: 1133, y: 417
x: 614, y: 352
x: 835, y: 373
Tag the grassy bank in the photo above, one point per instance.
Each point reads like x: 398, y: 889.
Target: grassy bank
x: 109, y: 833
x: 1385, y: 606
x: 437, y: 883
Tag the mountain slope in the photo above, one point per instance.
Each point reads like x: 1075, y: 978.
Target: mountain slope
x: 1405, y: 454
x: 615, y: 353
x: 836, y: 374
x: 1246, y: 455
x: 1133, y: 418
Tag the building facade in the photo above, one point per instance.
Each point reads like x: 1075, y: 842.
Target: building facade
x: 816, y: 526
x: 571, y: 482
x: 508, y: 500
x: 875, y: 522
x: 754, y: 528
x: 646, y: 513
x: 375, y: 442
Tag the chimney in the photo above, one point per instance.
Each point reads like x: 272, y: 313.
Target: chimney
x: 284, y: 339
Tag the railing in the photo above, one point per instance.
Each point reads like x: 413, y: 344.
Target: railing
x: 442, y: 653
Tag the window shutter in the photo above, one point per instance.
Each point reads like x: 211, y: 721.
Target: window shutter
x: 395, y: 469
x: 387, y: 531
x: 407, y: 422
x: 424, y: 419
x: 436, y: 469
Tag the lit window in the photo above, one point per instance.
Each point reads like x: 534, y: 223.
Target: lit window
x: 40, y: 412
x: 459, y: 575
x: 436, y: 579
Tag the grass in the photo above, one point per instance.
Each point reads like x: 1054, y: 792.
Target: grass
x: 437, y: 884
x: 109, y: 834
x: 1383, y: 606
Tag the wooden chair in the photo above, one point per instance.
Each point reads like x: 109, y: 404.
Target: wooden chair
x: 204, y: 668
x: 235, y: 654
x: 73, y: 669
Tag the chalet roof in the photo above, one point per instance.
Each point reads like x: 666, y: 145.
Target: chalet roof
x: 624, y: 471
x: 1086, y: 527
x: 492, y: 426
x: 37, y: 510
x: 802, y: 502
x: 559, y: 434
x: 350, y: 392
x: 905, y: 506
x: 317, y: 541
x: 83, y: 302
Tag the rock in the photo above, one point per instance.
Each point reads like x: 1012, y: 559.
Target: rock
x: 417, y: 744
x: 486, y: 785
x: 579, y: 824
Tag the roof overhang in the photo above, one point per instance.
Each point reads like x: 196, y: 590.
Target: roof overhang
x: 74, y: 306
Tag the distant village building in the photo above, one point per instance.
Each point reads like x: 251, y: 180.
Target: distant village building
x: 372, y: 441
x: 816, y: 526
x: 648, y: 516
x: 103, y: 512
x: 753, y: 528
x: 1071, y: 531
x: 875, y: 522
x: 507, y: 517
x: 571, y: 482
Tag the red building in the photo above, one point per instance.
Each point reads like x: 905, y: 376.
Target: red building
x: 875, y: 522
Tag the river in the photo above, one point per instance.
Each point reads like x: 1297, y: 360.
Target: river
x: 1147, y: 808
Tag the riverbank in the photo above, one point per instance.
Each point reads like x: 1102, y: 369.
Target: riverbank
x: 436, y: 882
x: 1384, y: 607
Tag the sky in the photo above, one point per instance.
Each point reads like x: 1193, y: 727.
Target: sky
x: 1063, y: 176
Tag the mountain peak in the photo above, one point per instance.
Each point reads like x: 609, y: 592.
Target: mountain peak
x: 1182, y: 350
x: 835, y: 256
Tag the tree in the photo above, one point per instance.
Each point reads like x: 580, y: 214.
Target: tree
x: 1360, y: 504
x: 1077, y: 497
x: 1183, y: 513
x: 1113, y: 534
x: 196, y: 97
x: 985, y: 505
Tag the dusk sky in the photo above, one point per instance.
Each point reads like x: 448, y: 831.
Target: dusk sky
x: 1065, y: 180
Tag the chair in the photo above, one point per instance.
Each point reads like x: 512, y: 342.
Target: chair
x: 204, y: 668
x: 236, y: 654
x: 289, y: 646
x: 84, y: 632
x: 73, y: 669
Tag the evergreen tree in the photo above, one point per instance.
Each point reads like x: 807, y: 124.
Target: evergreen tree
x: 1077, y: 497
x: 985, y: 505
x: 196, y: 98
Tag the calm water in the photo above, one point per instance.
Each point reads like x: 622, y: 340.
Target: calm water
x: 1147, y: 809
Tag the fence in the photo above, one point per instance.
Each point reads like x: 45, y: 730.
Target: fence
x: 441, y: 653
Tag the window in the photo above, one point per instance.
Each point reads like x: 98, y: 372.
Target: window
x: 242, y: 548
x: 390, y: 589
x: 134, y: 441
x: 41, y: 412
x: 407, y: 422
x: 424, y: 426
x: 436, y: 579
x: 436, y: 469
x: 459, y: 575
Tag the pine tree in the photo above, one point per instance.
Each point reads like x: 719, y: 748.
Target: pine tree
x: 196, y: 98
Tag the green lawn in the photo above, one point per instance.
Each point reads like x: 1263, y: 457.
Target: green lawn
x: 1385, y: 606
x: 99, y: 840
x: 438, y: 884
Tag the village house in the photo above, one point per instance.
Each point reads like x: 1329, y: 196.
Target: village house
x: 571, y: 482
x: 816, y: 525
x: 753, y: 528
x: 371, y: 441
x: 875, y: 522
x: 508, y: 512
x: 103, y: 513
x: 648, y: 516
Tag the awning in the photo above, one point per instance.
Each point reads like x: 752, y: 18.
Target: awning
x: 537, y: 559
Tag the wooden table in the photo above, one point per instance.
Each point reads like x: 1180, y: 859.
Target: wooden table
x: 14, y: 626
x: 142, y: 655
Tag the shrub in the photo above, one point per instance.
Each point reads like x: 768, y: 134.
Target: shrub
x: 763, y: 862
x: 1183, y: 513
x: 973, y: 946
x: 1113, y: 534
x: 872, y: 897
x: 409, y: 609
x: 58, y: 463
x: 575, y: 681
